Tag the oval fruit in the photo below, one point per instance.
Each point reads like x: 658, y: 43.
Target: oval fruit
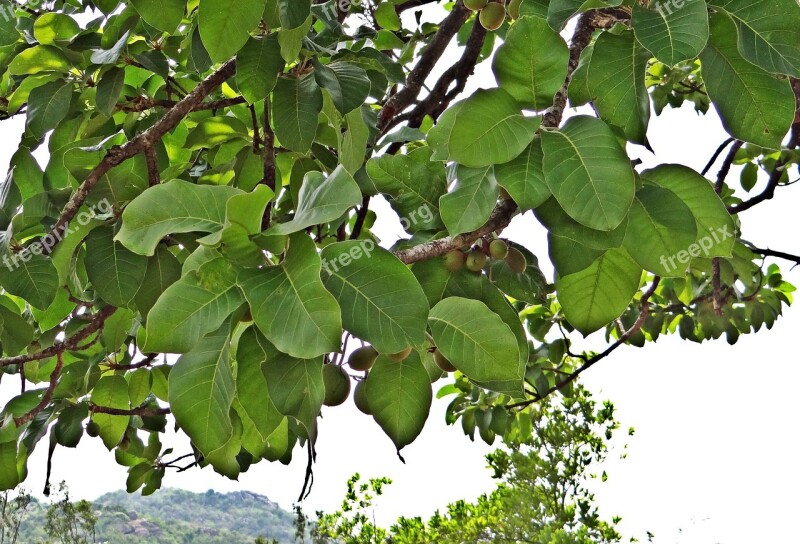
x: 513, y: 8
x: 476, y: 261
x: 360, y: 397
x: 362, y: 359
x: 400, y: 356
x: 498, y: 249
x: 443, y: 363
x: 476, y: 5
x: 493, y: 16
x: 454, y: 260
x: 337, y: 385
x: 516, y: 260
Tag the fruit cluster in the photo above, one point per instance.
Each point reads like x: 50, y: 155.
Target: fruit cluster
x: 478, y: 257
x: 493, y: 13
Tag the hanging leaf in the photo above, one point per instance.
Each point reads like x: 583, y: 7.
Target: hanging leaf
x: 225, y: 25
x: 111, y: 392
x: 297, y: 102
x: 468, y: 206
x: 115, y: 272
x: 347, y: 84
x: 164, y: 15
x: 258, y: 64
x: 523, y: 177
x: 670, y: 33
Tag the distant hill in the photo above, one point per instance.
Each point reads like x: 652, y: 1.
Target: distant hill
x: 174, y: 516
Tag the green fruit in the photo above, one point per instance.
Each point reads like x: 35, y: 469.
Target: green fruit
x: 362, y: 359
x: 337, y: 385
x: 401, y: 355
x: 476, y: 261
x: 513, y: 8
x: 360, y: 397
x: 454, y: 260
x: 516, y: 260
x: 93, y: 429
x: 493, y: 16
x: 443, y: 363
x: 498, y: 249
x: 476, y: 5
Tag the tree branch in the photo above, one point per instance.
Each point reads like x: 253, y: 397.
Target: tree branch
x: 48, y: 394
x: 141, y: 411
x: 117, y: 155
x: 777, y: 254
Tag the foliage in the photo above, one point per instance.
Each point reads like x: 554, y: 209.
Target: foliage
x: 205, y: 189
x: 541, y: 495
x: 71, y: 522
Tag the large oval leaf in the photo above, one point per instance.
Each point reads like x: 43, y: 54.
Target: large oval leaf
x: 399, y: 396
x: 258, y: 64
x: 291, y: 306
x: 297, y: 102
x: 670, y: 33
x: 523, y: 177
x: 476, y: 341
x: 381, y: 300
x: 754, y: 105
x: 115, y: 272
x: 589, y: 173
x: 164, y: 15
x: 597, y: 295
x: 469, y: 205
x: 532, y: 63
x: 225, y: 25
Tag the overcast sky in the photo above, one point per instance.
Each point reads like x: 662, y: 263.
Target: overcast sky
x: 712, y: 458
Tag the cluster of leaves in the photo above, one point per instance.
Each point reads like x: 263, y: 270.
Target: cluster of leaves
x: 207, y: 194
x: 541, y: 496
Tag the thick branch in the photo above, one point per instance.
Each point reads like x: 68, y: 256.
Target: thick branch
x: 143, y: 411
x: 118, y: 155
x: 143, y: 104
x: 433, y: 52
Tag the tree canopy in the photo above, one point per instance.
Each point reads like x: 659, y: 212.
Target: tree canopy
x: 195, y: 179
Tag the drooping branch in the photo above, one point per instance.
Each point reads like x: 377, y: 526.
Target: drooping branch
x: 589, y: 362
x: 141, y: 411
x: 774, y: 178
x: 71, y: 343
x: 716, y: 155
x: 777, y: 254
x: 117, y: 155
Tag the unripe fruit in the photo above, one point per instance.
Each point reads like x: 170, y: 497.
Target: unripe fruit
x: 476, y: 261
x: 360, y: 397
x: 476, y: 5
x: 400, y: 356
x: 362, y: 359
x: 337, y: 385
x: 498, y: 249
x: 513, y: 8
x: 493, y: 16
x: 442, y: 362
x: 93, y: 429
x: 516, y: 260
x: 454, y: 260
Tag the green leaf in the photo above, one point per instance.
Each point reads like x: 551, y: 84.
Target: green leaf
x: 55, y: 28
x: 48, y: 105
x: 192, y: 307
x: 115, y: 272
x: 322, y: 199
x: 297, y: 103
x: 560, y: 11
x: 670, y: 33
x: 39, y: 58
x: 295, y: 387
x: 399, y: 396
x: 16, y: 333
x: 487, y: 128
x: 347, y: 83
x: 292, y: 40
x: 293, y: 13
x: 214, y: 131
x: 111, y: 392
x: 173, y: 207
x: 753, y: 104
x: 476, y: 341
x: 258, y: 64
x: 201, y: 392
x: 252, y: 353
x: 8, y: 26
x: 532, y: 63
x: 468, y: 206
x: 415, y: 183
x: 164, y: 15
x: 163, y: 269
x: 660, y: 226
x: 716, y: 230
x: 380, y: 298
x: 109, y: 90
x: 556, y: 220
x: 387, y: 18
x: 291, y: 306
x: 30, y: 276
x: 529, y: 285
x: 589, y: 173
x: 616, y: 82
x: 767, y: 32
x: 597, y: 295
x: 225, y: 25
x: 523, y: 177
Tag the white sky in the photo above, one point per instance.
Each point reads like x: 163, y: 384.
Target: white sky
x: 712, y: 458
